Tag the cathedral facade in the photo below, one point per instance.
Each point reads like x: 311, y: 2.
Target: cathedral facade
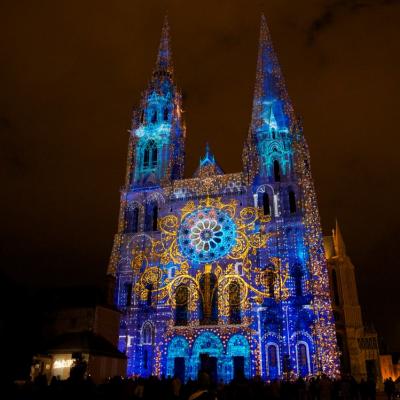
x: 222, y: 272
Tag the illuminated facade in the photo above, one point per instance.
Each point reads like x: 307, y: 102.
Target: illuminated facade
x: 222, y: 272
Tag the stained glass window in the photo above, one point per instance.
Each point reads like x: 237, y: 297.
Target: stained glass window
x: 206, y: 235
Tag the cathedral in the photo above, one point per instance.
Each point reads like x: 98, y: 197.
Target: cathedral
x: 224, y: 273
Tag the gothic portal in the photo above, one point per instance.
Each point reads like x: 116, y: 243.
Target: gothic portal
x: 222, y: 272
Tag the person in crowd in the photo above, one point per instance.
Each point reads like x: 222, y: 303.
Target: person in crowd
x: 203, y: 391
x: 389, y: 388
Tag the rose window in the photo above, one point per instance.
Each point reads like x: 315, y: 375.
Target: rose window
x: 206, y: 235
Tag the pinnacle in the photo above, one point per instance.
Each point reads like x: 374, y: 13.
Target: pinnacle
x: 164, y: 56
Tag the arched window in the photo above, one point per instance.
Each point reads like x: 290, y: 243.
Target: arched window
x: 277, y: 171
x: 147, y: 333
x: 208, y: 299
x: 150, y: 155
x: 303, y: 360
x: 273, y: 134
x: 266, y: 207
x: 335, y: 288
x: 135, y: 220
x: 146, y: 156
x: 166, y: 113
x: 273, y: 361
x: 272, y: 356
x: 154, y: 156
x: 128, y: 293
x: 292, y: 202
x: 302, y: 354
x: 154, y: 217
x: 131, y: 219
x: 181, y: 301
x: 154, y: 117
x: 234, y: 303
x: 151, y: 217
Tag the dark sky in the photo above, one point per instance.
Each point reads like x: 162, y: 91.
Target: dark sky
x: 71, y: 72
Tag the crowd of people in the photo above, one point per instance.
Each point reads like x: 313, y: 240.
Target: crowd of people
x: 321, y: 388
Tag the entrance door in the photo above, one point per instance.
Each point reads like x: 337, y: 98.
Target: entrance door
x: 179, y: 368
x: 210, y: 365
x: 238, y: 367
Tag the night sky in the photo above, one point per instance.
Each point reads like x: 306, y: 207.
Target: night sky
x: 72, y: 71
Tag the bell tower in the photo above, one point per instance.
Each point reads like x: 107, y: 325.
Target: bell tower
x: 156, y: 150
x: 276, y: 165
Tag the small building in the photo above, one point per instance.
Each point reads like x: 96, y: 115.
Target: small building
x: 81, y: 334
x: 390, y: 366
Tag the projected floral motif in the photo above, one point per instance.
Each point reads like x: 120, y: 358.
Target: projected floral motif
x: 206, y: 235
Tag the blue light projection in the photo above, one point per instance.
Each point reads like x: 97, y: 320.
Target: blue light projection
x: 223, y: 279
x: 178, y: 348
x: 209, y: 354
x: 206, y: 235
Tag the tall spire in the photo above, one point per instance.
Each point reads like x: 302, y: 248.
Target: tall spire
x: 270, y: 93
x: 164, y: 56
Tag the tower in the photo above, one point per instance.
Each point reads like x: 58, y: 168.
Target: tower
x: 158, y: 133
x: 358, y: 344
x: 277, y: 165
x: 222, y: 272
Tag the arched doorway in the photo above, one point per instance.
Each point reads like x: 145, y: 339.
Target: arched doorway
x: 207, y: 355
x: 178, y: 358
x: 238, y: 357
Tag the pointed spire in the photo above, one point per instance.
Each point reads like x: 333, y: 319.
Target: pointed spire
x: 270, y: 90
x: 208, y: 157
x: 340, y: 247
x: 164, y: 56
x: 208, y: 166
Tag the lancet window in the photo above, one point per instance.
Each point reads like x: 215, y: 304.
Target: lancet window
x: 208, y: 299
x: 150, y: 155
x: 234, y: 303
x: 128, y: 293
x: 132, y: 220
x: 277, y: 171
x: 147, y: 333
x: 181, y: 301
x: 265, y: 202
x: 151, y: 218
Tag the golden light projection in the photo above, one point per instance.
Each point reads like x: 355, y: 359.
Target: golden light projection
x: 246, y: 229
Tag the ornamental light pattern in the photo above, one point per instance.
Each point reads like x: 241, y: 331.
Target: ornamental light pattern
x: 221, y: 272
